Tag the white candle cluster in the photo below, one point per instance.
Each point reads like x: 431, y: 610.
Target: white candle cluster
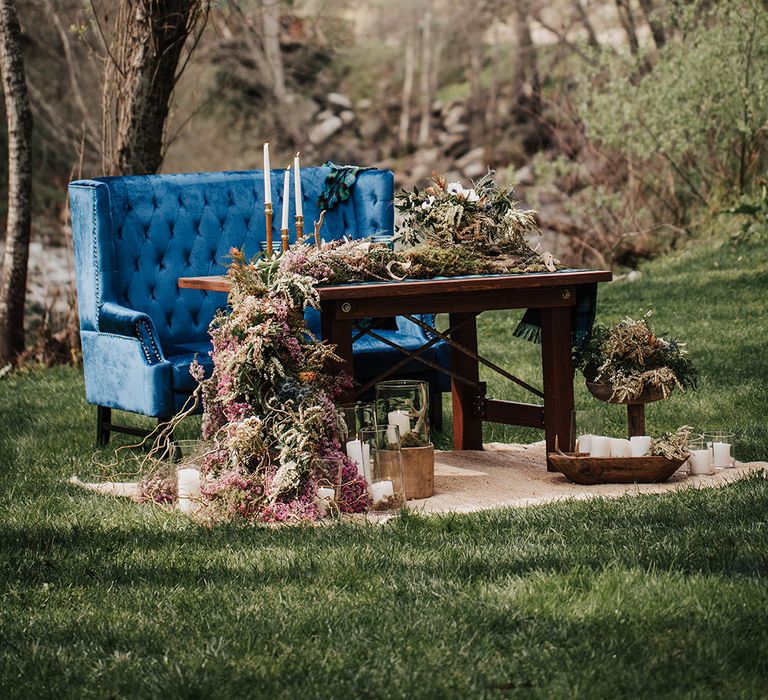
x: 601, y: 446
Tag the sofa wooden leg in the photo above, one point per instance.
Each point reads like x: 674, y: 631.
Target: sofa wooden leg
x: 103, y: 425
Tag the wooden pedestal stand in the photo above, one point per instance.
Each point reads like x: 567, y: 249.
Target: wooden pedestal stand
x: 635, y: 408
x: 419, y: 471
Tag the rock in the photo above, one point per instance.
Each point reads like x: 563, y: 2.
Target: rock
x: 421, y: 171
x: 455, y: 115
x: 457, y: 129
x: 338, y: 101
x: 364, y: 104
x: 475, y: 171
x: 325, y: 114
x: 347, y: 117
x: 524, y: 175
x: 476, y: 155
x: 321, y: 132
x: 634, y: 276
x: 371, y: 127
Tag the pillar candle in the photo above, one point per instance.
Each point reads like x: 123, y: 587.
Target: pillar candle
x: 584, y: 443
x: 620, y: 447
x: 640, y: 445
x: 600, y: 446
x: 355, y: 454
x: 401, y: 420
x: 324, y: 499
x: 188, y: 489
x: 700, y: 462
x: 367, y: 462
x: 392, y: 435
x: 297, y: 185
x: 381, y: 490
x: 267, y: 176
x: 286, y: 197
x: 722, y: 454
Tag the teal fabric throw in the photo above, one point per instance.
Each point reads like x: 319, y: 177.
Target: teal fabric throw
x: 337, y: 185
x: 583, y: 315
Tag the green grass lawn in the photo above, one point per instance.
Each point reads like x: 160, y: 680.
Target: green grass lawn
x: 647, y: 596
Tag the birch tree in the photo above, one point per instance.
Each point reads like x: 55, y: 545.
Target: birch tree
x: 17, y: 232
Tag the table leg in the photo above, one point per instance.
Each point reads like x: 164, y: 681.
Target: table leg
x: 557, y: 366
x: 467, y: 430
x: 339, y: 333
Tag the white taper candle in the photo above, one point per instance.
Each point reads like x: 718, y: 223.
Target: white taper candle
x: 267, y: 176
x: 286, y: 197
x: 297, y: 185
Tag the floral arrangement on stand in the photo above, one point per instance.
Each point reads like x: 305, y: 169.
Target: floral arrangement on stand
x: 630, y: 359
x: 272, y: 430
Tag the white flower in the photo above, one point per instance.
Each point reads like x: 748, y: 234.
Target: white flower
x: 455, y: 188
x: 471, y: 195
x: 427, y: 204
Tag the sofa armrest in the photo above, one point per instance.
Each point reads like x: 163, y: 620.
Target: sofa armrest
x: 120, y: 320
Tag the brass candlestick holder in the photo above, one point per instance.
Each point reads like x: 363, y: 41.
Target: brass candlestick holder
x: 299, y: 229
x: 284, y: 237
x: 268, y: 217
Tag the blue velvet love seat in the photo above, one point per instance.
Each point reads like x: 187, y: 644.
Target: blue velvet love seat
x: 134, y: 236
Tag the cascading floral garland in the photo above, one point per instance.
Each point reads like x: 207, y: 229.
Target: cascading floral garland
x: 269, y: 406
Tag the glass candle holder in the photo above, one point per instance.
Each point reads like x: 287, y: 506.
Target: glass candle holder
x: 384, y: 468
x: 721, y: 444
x: 404, y: 403
x: 357, y: 416
x: 700, y: 461
x: 585, y: 425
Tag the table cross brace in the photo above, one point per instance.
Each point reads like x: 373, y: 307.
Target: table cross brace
x: 413, y: 355
x: 478, y: 358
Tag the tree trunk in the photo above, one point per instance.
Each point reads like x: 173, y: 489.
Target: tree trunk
x: 14, y: 284
x: 271, y: 26
x: 525, y: 83
x: 404, y: 129
x: 142, y: 73
x: 426, y: 76
x: 581, y: 11
x: 657, y: 27
x: 476, y: 107
x: 627, y: 20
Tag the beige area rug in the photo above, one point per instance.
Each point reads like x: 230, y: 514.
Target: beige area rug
x: 516, y: 475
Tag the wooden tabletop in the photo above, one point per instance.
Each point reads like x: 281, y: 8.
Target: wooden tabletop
x: 448, y: 285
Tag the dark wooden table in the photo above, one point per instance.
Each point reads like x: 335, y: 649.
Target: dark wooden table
x: 554, y: 294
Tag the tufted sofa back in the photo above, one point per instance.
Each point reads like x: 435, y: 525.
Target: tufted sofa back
x: 136, y: 235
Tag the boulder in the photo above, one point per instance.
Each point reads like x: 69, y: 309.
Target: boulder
x: 474, y: 171
x: 524, y: 175
x: 475, y: 156
x: 455, y: 115
x: 338, y: 101
x: 457, y: 128
x: 321, y: 132
x: 371, y: 126
x: 364, y: 104
x: 347, y: 117
x: 325, y: 114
